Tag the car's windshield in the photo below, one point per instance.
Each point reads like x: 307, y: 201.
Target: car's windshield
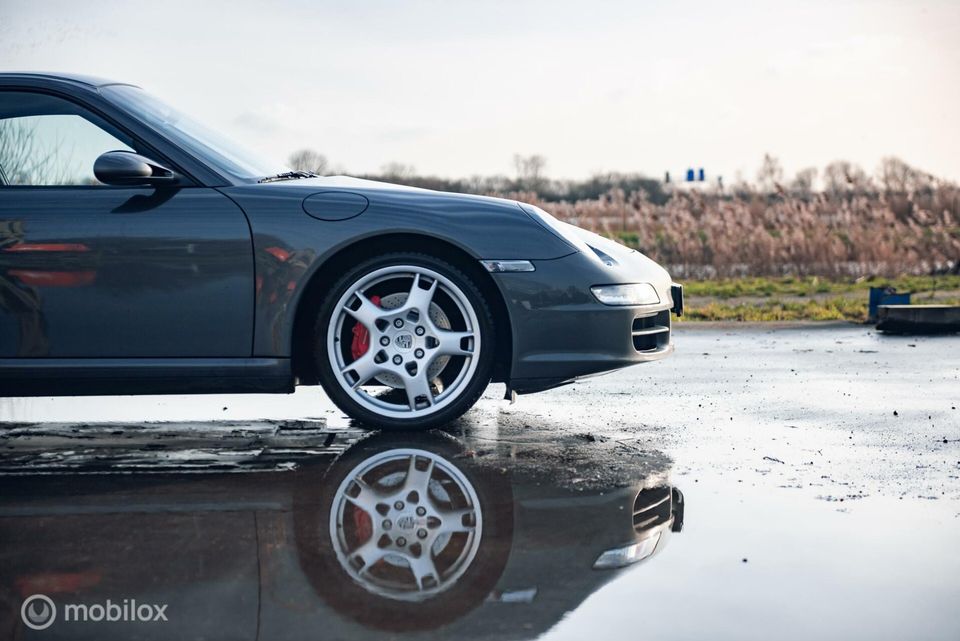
x: 212, y: 147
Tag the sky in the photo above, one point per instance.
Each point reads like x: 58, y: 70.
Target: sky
x: 456, y: 89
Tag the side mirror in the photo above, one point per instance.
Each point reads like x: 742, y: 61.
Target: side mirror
x: 128, y: 168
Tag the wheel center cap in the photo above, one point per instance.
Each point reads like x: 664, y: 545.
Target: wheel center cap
x: 404, y: 342
x: 410, y: 521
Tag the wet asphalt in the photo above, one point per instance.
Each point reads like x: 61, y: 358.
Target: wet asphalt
x: 818, y: 467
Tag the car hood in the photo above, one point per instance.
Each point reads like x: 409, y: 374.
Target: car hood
x: 363, y: 185
x: 349, y: 182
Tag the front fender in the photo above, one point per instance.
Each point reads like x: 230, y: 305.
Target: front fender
x: 291, y: 246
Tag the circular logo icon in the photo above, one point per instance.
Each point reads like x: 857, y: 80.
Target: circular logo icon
x: 38, y: 612
x: 404, y: 341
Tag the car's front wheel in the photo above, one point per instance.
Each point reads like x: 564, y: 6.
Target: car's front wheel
x: 404, y: 341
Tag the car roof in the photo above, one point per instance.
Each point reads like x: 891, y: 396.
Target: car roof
x: 75, y: 78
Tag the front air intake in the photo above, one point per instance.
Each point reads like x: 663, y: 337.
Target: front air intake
x: 651, y: 333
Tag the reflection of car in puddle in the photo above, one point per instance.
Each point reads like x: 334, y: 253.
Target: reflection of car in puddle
x: 400, y: 533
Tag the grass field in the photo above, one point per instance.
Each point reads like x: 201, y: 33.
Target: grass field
x: 813, y: 298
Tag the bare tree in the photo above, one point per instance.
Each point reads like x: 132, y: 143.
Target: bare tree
x: 843, y: 177
x: 309, y: 160
x: 530, y: 171
x: 802, y: 184
x: 26, y: 160
x: 770, y: 175
x: 896, y: 176
x: 398, y: 171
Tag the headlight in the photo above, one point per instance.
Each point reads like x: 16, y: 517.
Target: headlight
x: 627, y: 555
x: 632, y: 294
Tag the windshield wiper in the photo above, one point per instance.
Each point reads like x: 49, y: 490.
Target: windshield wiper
x: 288, y: 175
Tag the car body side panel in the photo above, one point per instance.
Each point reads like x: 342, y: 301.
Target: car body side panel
x: 107, y: 291
x: 105, y: 272
x: 290, y: 246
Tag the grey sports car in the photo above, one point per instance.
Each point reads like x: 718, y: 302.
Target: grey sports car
x: 142, y: 253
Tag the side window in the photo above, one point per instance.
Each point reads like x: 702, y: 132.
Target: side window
x: 46, y: 140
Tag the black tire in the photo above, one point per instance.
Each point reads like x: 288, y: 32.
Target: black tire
x: 315, y: 500
x: 472, y: 390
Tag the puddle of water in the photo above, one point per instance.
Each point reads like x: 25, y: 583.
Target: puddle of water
x: 261, y: 541
x: 873, y: 569
x: 386, y: 534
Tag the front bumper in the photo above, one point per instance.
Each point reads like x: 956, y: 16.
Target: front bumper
x: 561, y: 332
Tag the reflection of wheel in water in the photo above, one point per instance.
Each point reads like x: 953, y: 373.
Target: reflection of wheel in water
x: 406, y: 524
x: 405, y: 539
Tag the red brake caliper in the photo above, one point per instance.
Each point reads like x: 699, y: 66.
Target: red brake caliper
x: 361, y: 335
x: 363, y: 525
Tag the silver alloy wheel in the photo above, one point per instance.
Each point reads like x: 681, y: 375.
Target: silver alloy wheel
x: 406, y: 524
x: 439, y: 318
x: 405, y: 343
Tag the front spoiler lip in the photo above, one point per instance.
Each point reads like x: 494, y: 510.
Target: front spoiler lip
x: 533, y: 385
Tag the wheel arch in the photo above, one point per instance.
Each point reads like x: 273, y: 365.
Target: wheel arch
x: 323, y: 276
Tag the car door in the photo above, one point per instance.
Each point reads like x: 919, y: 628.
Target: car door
x: 95, y: 271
